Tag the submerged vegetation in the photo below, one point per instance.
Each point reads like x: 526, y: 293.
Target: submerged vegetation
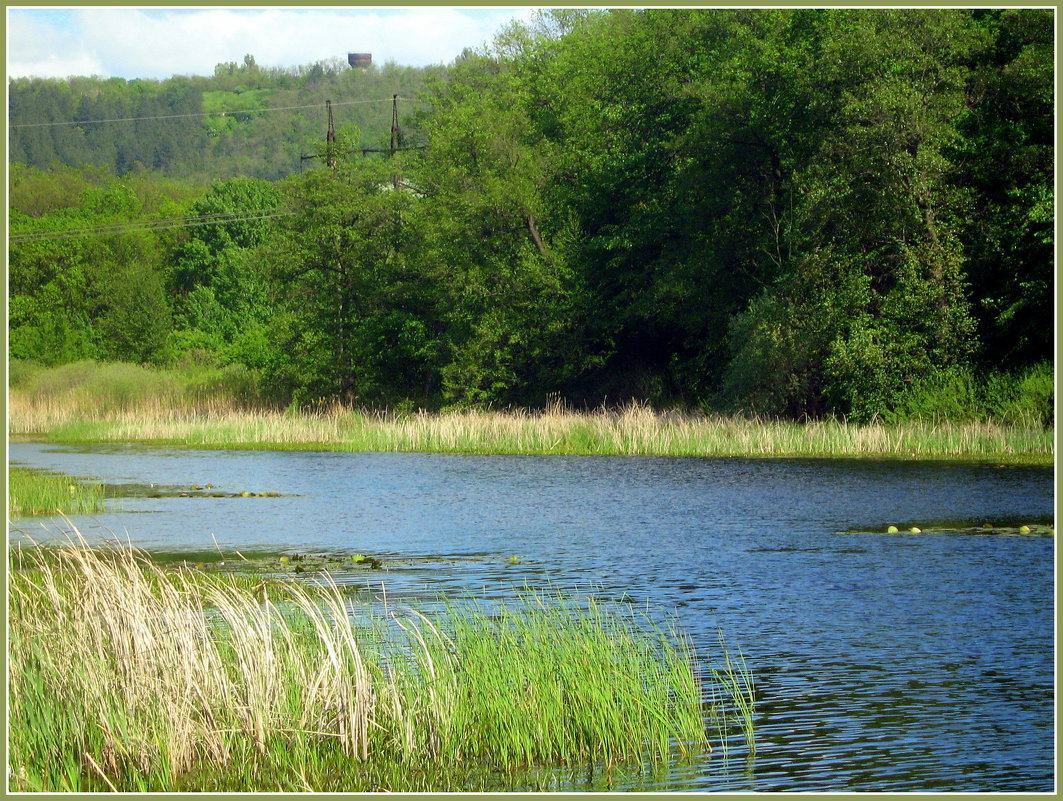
x: 128, y: 676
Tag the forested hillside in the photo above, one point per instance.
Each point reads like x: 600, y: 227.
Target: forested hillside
x: 245, y: 120
x: 786, y: 212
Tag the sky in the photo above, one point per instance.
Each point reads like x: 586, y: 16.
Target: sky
x: 152, y: 42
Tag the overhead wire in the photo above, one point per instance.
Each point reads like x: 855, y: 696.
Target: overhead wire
x: 172, y: 222
x: 196, y: 114
x: 150, y: 225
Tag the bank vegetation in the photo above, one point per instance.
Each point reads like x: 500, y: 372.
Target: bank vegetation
x: 91, y: 403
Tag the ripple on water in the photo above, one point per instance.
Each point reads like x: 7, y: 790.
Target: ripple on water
x: 882, y: 663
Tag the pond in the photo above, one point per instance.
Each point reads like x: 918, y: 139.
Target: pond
x: 883, y: 662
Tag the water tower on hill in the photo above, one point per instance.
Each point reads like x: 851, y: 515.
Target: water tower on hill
x: 360, y: 60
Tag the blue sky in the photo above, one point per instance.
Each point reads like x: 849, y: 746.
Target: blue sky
x: 152, y: 42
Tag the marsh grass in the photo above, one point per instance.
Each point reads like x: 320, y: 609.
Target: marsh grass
x: 87, y: 389
x: 37, y: 492
x: 633, y: 431
x: 89, y: 402
x: 125, y: 676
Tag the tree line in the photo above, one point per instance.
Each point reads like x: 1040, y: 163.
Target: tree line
x: 784, y: 212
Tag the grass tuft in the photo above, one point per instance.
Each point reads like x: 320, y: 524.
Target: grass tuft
x: 37, y: 492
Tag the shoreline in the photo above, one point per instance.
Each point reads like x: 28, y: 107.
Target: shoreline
x: 999, y: 459
x: 636, y: 431
x: 632, y: 431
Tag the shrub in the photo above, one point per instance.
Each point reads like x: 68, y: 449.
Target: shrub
x: 958, y: 395
x: 1022, y: 398
x: 947, y: 394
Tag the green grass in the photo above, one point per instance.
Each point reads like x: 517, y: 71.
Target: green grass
x: 127, y: 676
x: 244, y: 100
x: 37, y: 492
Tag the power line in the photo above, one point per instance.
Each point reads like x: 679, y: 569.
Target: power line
x: 151, y: 225
x: 330, y: 138
x: 197, y: 114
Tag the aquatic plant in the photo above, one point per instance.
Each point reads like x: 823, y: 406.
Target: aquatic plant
x: 127, y: 676
x: 37, y: 492
x: 92, y: 402
x: 739, y: 704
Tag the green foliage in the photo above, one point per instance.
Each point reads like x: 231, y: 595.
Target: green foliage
x: 135, y: 320
x: 216, y: 277
x: 502, y: 252
x: 359, y: 317
x: 951, y: 394
x: 783, y: 343
x: 1022, y: 398
x: 36, y: 193
x: 799, y: 212
x: 43, y: 327
x: 1004, y: 163
x: 96, y: 295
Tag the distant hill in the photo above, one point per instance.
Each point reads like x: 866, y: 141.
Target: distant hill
x: 240, y: 121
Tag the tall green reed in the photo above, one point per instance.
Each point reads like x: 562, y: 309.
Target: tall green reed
x: 127, y: 676
x: 735, y: 680
x: 36, y: 492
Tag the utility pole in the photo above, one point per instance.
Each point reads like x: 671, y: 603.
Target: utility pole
x: 330, y: 141
x: 394, y: 135
x: 394, y: 124
x: 330, y: 137
x: 331, y: 151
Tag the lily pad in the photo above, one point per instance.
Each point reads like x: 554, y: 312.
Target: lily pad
x: 1024, y: 530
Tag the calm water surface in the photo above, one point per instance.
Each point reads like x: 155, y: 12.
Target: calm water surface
x: 883, y: 663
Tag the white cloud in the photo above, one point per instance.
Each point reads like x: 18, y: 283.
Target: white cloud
x: 55, y: 66
x: 130, y: 42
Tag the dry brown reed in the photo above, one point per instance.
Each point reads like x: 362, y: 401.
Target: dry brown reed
x: 634, y: 430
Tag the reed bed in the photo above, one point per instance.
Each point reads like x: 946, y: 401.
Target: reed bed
x: 125, y: 676
x: 636, y: 430
x: 36, y: 492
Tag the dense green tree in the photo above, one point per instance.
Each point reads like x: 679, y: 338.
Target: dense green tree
x: 49, y: 315
x: 356, y: 313
x: 97, y: 294
x: 500, y: 250
x: 134, y: 321
x: 219, y: 285
x: 1005, y: 165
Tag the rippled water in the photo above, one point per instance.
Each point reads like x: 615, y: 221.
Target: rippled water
x: 883, y: 663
